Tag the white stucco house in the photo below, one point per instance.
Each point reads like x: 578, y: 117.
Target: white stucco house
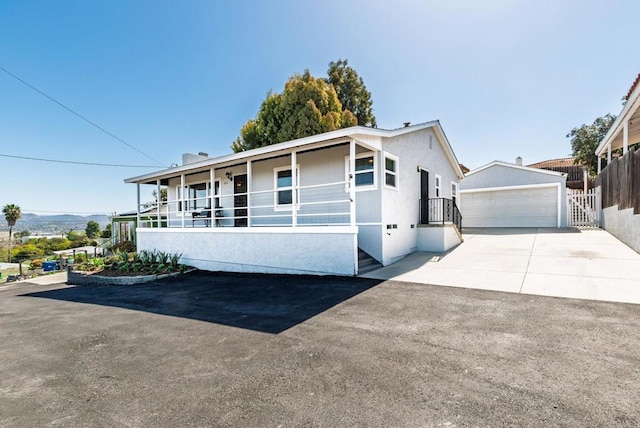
x: 501, y: 194
x: 310, y: 205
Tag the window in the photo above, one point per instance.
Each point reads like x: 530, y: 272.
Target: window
x: 365, y: 171
x: 454, y: 191
x: 390, y: 171
x: 283, y: 184
x: 438, y: 181
x: 197, y: 196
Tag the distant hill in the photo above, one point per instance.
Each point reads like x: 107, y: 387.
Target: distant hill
x: 59, y: 223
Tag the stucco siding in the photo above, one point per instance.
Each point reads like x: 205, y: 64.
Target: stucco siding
x: 623, y: 224
x: 400, y: 206
x: 318, y: 251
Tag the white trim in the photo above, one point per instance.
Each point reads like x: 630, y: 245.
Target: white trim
x: 325, y: 138
x: 632, y: 105
x: 276, y: 189
x: 457, y: 189
x: 558, y: 186
x: 395, y: 173
x: 320, y: 230
x: 373, y: 186
x: 438, y: 186
x: 514, y: 166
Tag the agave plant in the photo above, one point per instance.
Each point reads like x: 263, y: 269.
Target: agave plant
x: 174, y: 260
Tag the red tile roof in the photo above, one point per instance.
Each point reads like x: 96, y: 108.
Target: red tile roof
x: 635, y: 83
x: 555, y: 163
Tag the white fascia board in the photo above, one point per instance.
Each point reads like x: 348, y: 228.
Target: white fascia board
x: 444, y: 142
x: 629, y: 109
x: 514, y: 166
x: 351, y: 132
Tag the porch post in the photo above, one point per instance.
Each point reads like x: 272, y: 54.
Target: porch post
x: 212, y: 196
x: 138, y: 204
x: 248, y: 193
x: 184, y: 208
x: 294, y: 185
x: 352, y: 182
x: 599, y: 164
x: 158, y: 201
x: 625, y: 137
x: 609, y: 154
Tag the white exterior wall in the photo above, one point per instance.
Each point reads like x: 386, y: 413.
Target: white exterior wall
x: 623, y: 224
x: 401, y: 207
x: 500, y: 176
x: 310, y: 250
x: 437, y: 239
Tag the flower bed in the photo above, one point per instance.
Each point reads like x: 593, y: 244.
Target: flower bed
x: 127, y: 269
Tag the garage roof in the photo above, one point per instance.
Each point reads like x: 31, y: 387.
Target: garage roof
x: 515, y: 166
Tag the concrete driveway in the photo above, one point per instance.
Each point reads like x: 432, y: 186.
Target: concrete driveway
x: 581, y: 264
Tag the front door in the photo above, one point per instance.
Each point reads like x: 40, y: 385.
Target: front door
x: 424, y: 196
x: 240, y: 200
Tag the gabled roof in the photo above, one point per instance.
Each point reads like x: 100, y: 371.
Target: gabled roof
x: 514, y: 166
x: 351, y: 132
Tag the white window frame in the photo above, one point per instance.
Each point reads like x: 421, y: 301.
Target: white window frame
x: 395, y: 159
x: 373, y: 186
x: 438, y: 183
x: 188, y: 199
x: 276, y: 189
x: 454, y: 190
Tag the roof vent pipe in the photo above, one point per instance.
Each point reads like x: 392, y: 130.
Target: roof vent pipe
x: 203, y: 154
x: 519, y: 161
x: 406, y: 124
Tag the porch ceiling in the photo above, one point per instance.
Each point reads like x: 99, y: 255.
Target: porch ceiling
x: 241, y: 158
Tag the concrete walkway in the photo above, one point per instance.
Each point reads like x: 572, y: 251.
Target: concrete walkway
x: 581, y: 264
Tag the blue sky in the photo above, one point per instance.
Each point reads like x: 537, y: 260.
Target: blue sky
x: 505, y: 78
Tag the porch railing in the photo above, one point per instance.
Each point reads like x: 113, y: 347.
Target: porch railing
x: 316, y: 205
x: 440, y: 211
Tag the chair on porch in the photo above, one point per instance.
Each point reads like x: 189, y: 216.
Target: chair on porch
x: 204, y: 216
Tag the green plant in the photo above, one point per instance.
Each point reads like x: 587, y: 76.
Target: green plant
x: 80, y: 258
x: 175, y: 259
x: 126, y: 246
x: 35, y: 264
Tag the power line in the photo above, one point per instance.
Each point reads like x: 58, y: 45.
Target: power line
x: 77, y: 162
x: 79, y: 115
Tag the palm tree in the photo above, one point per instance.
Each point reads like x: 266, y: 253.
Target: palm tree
x: 12, y: 214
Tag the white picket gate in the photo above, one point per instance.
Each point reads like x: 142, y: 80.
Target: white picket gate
x: 584, y: 209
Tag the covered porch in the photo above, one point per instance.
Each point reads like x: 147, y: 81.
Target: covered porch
x: 282, y: 210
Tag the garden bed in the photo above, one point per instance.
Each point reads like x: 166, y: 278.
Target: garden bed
x: 127, y: 269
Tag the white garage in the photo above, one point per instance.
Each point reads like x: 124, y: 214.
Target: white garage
x: 510, y: 195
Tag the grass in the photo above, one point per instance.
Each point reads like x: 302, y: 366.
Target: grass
x: 7, y: 272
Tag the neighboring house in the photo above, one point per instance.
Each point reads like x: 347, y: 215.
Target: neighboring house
x: 620, y: 179
x: 123, y: 225
x: 502, y: 194
x: 576, y: 174
x: 310, y: 205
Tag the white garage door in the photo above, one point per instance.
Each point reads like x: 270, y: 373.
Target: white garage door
x: 537, y: 207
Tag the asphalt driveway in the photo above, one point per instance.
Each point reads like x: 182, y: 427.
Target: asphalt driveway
x: 582, y: 264
x: 259, y: 350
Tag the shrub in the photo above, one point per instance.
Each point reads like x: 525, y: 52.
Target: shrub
x: 124, y: 246
x: 35, y: 264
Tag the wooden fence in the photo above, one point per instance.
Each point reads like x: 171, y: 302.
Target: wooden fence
x: 620, y: 182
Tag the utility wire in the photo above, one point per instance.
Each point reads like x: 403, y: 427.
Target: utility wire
x: 79, y: 115
x: 76, y: 162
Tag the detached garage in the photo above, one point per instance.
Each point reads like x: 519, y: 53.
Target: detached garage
x: 501, y: 194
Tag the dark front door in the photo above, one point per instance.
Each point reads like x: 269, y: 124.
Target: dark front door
x: 240, y: 200
x: 424, y: 196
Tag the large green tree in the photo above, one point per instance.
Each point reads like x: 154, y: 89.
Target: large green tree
x: 11, y: 214
x: 352, y: 92
x: 585, y: 140
x: 93, y: 229
x: 307, y: 106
